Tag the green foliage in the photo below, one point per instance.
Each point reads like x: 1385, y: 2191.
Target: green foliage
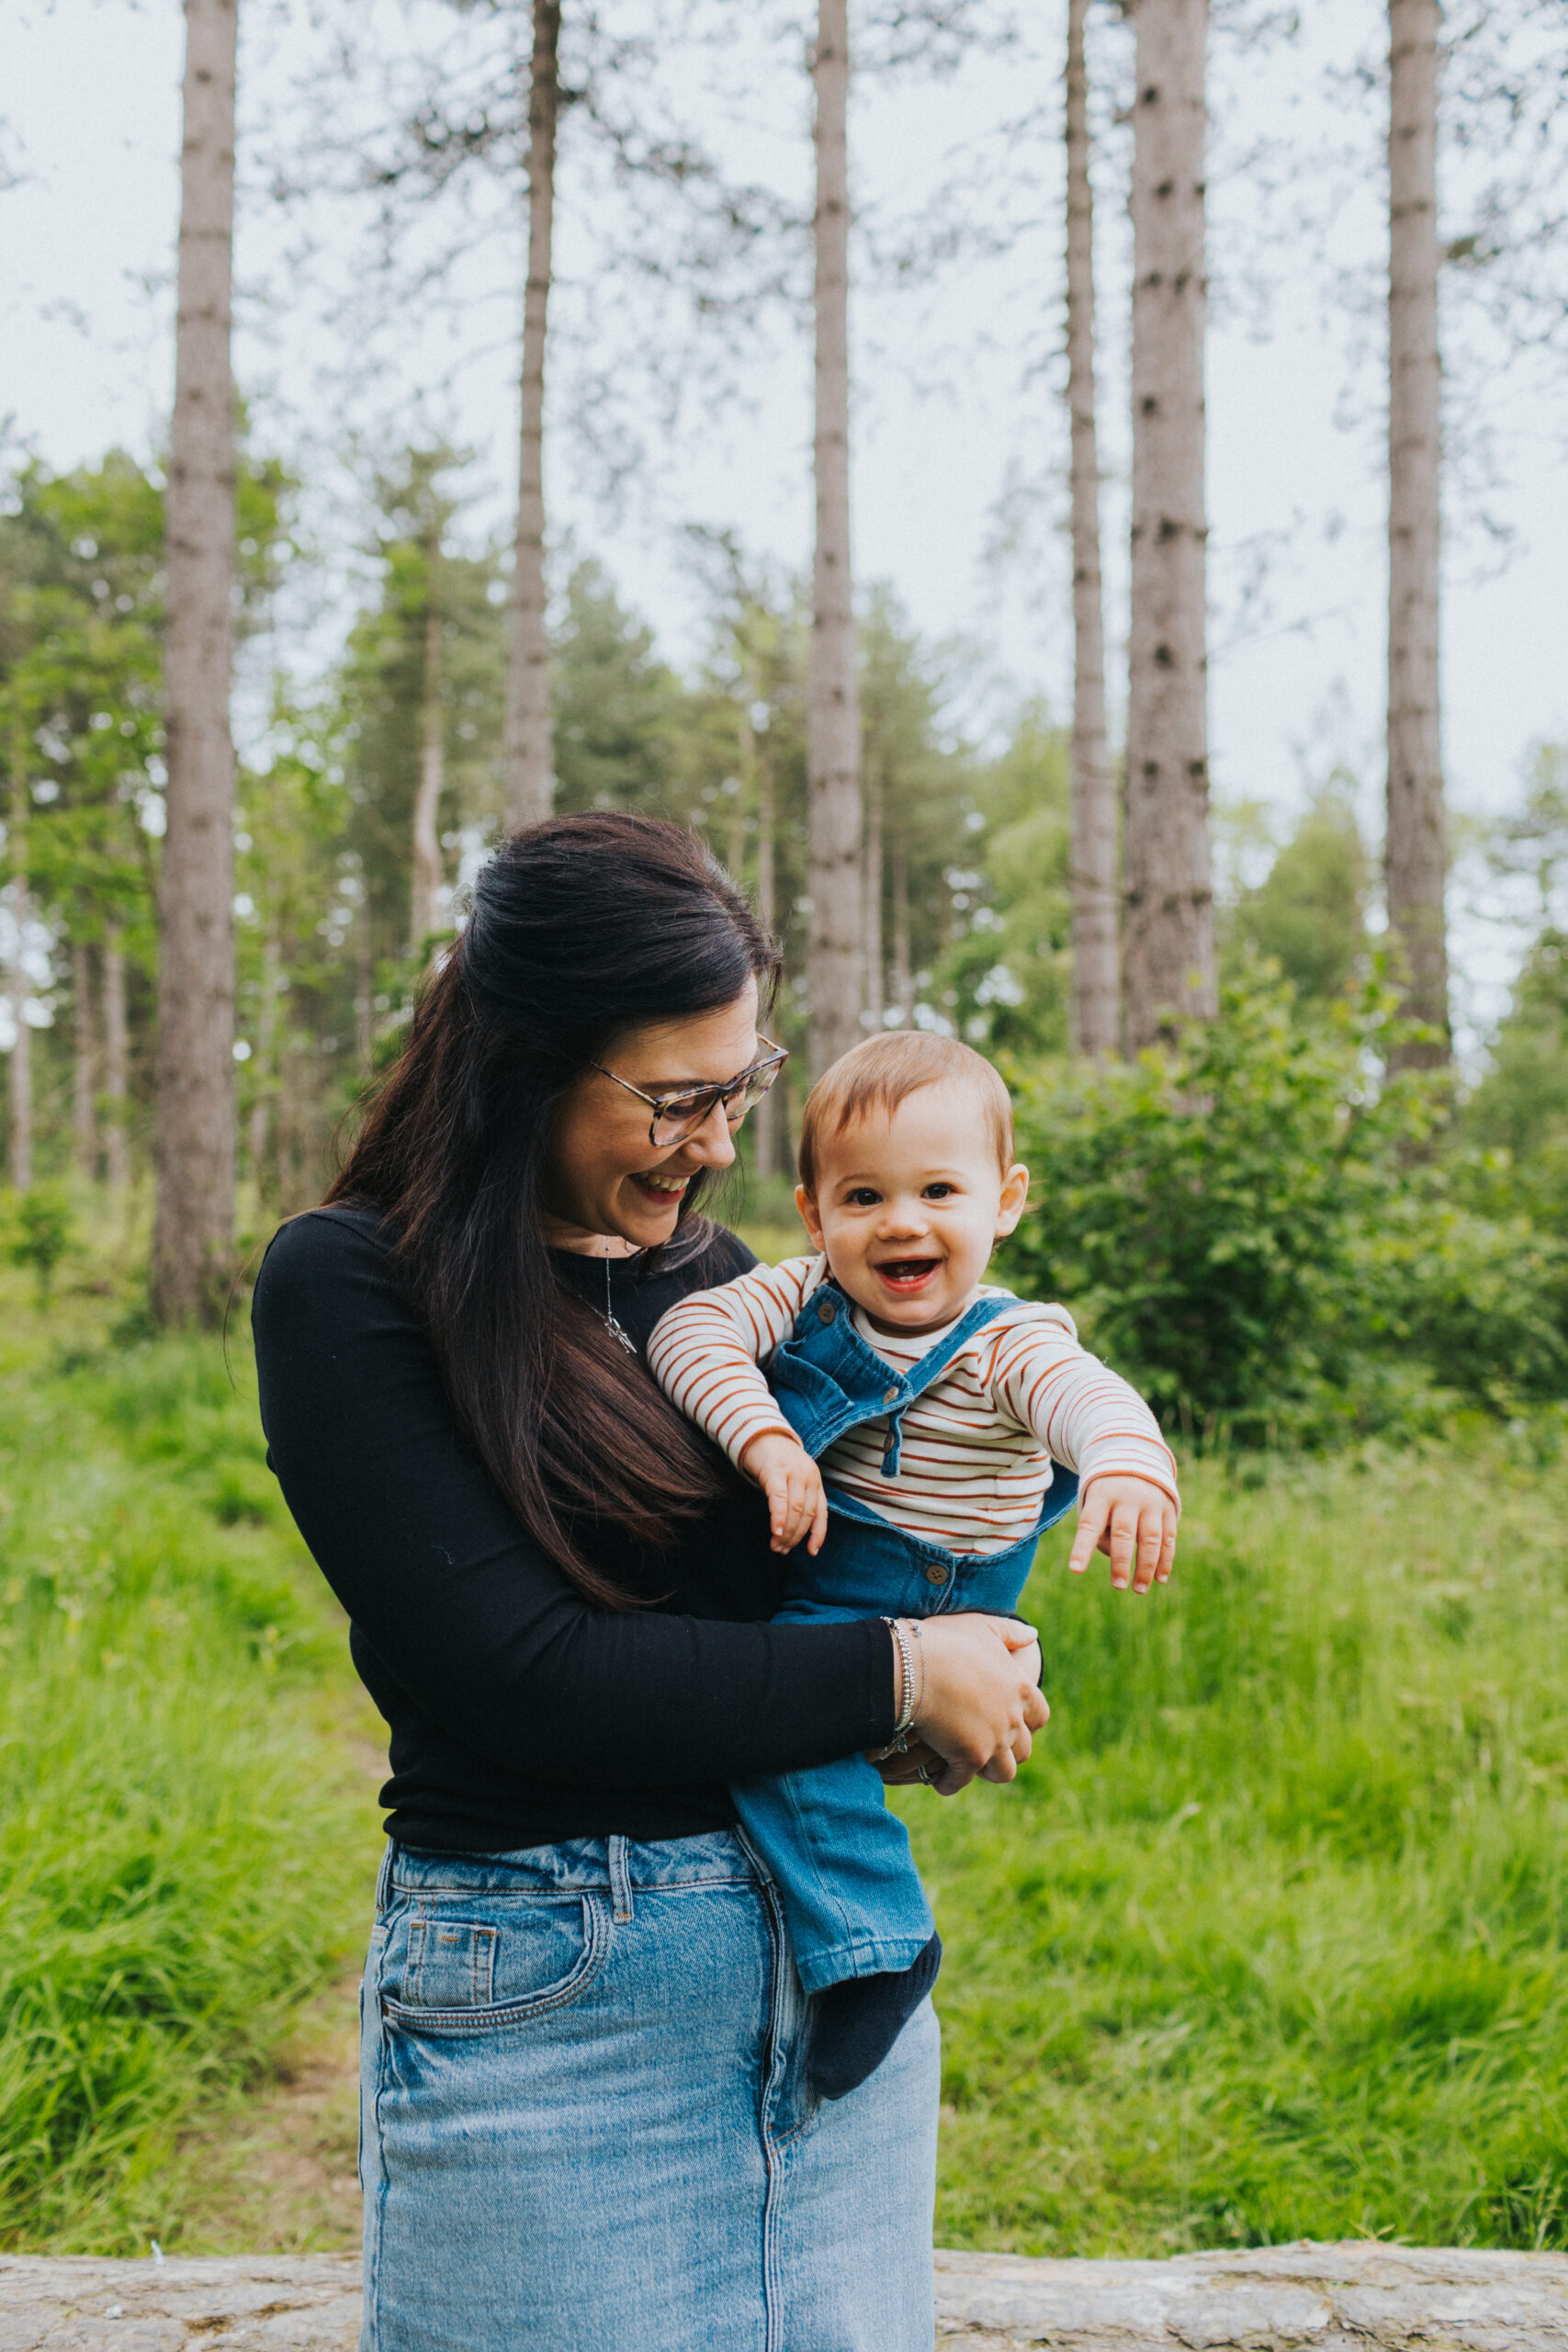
x: 1268, y: 1939
x: 1309, y: 913
x: 185, y: 1849
x: 1008, y: 969
x: 1253, y: 1230
x: 42, y: 1235
x: 618, y: 710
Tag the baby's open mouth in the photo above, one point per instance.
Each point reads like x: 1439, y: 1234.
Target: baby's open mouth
x: 907, y: 1273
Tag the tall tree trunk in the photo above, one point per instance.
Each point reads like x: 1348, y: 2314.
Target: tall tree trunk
x: 363, y: 979
x: 264, y: 1109
x: 530, y: 767
x: 1416, y: 855
x: 833, y: 958
x: 871, y: 927
x: 19, y: 1154
x: 766, y: 1114
x: 117, y: 1066
x: 424, y: 910
x: 1095, y: 975
x: 193, y: 1223
x: 903, y: 976
x: 83, y: 1060
x: 1167, y: 947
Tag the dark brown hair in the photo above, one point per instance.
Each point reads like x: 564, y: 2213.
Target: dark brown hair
x: 880, y: 1072
x: 582, y: 929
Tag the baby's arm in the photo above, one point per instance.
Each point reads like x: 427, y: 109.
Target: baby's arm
x: 1091, y: 1421
x: 707, y: 1354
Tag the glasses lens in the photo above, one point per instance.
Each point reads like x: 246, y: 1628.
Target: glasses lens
x: 682, y: 1116
x: 755, y: 1087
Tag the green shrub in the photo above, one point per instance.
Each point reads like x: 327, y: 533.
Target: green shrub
x: 42, y: 1235
x: 1253, y: 1227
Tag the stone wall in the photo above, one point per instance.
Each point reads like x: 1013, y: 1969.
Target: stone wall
x: 1281, y: 2298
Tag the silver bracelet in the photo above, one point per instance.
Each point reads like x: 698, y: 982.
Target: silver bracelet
x: 900, y: 1740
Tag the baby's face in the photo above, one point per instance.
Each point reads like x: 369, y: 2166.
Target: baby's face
x: 908, y: 1209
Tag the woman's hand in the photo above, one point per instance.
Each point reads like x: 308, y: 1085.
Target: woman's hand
x: 978, y: 1700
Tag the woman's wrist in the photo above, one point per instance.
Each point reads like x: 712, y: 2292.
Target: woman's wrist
x: 909, y: 1683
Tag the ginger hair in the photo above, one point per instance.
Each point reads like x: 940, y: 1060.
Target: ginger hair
x: 884, y: 1071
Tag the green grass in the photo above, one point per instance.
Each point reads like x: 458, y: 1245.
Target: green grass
x: 187, y: 1843
x: 1268, y: 1941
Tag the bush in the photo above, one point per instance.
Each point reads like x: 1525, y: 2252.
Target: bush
x: 1254, y: 1229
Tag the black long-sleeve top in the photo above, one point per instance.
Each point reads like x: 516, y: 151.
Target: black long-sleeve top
x: 519, y: 1713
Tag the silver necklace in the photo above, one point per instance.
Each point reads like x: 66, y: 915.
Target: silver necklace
x: 612, y: 1320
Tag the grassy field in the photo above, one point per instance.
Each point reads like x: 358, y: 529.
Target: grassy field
x: 1268, y: 1942
x: 186, y: 1830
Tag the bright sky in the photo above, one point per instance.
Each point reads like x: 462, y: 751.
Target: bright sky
x: 956, y: 452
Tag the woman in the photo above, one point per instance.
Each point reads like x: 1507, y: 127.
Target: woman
x: 587, y: 2121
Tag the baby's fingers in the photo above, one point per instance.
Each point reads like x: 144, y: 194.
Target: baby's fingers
x: 775, y: 1486
x: 818, y: 1517
x: 1091, y: 1525
x: 1151, y: 1548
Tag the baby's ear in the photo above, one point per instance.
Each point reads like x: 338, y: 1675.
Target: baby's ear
x: 807, y: 1204
x: 1014, y: 1198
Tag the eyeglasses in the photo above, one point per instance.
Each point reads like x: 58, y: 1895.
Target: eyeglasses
x: 678, y: 1117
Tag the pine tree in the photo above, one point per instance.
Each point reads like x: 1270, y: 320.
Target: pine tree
x: 1168, y: 948
x: 1096, y: 962
x: 833, y: 979
x: 194, y: 1221
x: 530, y: 778
x: 1416, y: 856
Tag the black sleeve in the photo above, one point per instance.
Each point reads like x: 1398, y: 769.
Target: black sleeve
x: 484, y: 1632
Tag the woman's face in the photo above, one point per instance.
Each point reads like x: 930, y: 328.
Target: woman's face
x: 606, y: 1179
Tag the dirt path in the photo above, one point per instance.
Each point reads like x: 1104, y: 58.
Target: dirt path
x: 278, y: 2173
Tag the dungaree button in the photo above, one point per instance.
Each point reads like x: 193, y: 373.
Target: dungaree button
x: 826, y: 1311
x: 935, y: 1574
x: 890, y: 1395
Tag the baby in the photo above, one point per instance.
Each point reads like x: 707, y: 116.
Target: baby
x: 919, y: 1429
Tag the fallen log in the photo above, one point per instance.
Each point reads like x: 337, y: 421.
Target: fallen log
x: 1303, y: 2298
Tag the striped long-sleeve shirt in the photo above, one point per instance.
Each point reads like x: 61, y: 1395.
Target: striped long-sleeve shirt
x: 977, y: 1444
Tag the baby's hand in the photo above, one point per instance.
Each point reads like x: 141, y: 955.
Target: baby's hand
x: 1126, y: 1517
x: 792, y: 1485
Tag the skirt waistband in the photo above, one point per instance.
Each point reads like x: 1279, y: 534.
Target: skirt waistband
x: 713, y: 1859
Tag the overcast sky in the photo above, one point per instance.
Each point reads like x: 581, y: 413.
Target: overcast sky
x: 959, y: 434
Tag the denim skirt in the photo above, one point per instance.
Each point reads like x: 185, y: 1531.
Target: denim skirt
x: 586, y: 2126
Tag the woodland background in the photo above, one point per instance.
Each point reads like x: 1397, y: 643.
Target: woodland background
x: 1268, y: 1939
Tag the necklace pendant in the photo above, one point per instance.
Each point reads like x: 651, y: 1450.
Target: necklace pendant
x: 625, y: 1337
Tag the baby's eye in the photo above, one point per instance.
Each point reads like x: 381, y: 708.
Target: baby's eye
x: 863, y: 1197
x: 940, y: 1192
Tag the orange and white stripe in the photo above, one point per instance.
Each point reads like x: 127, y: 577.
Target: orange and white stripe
x: 977, y: 1445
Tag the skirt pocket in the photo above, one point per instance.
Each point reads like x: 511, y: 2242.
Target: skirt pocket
x: 465, y: 1975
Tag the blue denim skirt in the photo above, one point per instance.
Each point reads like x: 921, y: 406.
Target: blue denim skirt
x: 586, y: 2124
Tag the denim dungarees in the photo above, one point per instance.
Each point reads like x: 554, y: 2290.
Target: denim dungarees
x: 842, y: 1861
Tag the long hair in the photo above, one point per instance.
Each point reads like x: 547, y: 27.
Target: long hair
x: 582, y: 928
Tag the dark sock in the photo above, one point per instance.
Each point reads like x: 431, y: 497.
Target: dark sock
x: 855, y: 2024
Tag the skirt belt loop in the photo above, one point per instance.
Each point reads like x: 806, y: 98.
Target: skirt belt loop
x: 620, y: 1881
